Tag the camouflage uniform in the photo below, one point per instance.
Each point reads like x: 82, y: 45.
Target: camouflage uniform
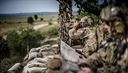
x: 112, y: 53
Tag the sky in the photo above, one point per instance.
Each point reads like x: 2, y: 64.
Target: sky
x: 24, y: 6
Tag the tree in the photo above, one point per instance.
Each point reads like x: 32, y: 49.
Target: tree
x: 36, y: 17
x: 30, y: 20
x: 90, y: 6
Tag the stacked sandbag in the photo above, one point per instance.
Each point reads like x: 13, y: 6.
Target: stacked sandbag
x: 16, y: 68
x: 37, y: 58
x: 50, y: 63
x: 67, y: 61
x: 37, y: 65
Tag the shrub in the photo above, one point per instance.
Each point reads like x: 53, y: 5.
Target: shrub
x: 41, y: 19
x: 4, y: 50
x: 53, y: 31
x: 7, y: 63
x: 13, y: 59
x: 13, y: 41
x: 30, y: 20
x: 30, y: 38
x: 18, y: 43
x: 50, y: 23
x: 21, y: 42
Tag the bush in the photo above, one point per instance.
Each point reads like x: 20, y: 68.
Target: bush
x: 41, y: 19
x: 50, y: 23
x: 30, y: 20
x: 18, y: 43
x: 53, y: 31
x: 4, y: 50
x: 21, y: 42
x: 13, y: 39
x: 13, y: 59
x: 7, y: 63
x: 13, y: 42
x: 30, y: 38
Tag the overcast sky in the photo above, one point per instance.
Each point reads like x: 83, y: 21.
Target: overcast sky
x: 21, y: 6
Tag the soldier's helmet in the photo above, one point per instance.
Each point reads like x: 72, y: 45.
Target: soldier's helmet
x: 116, y: 15
x: 111, y: 12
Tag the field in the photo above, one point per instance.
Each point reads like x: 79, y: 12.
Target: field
x: 48, y: 27
x: 17, y: 22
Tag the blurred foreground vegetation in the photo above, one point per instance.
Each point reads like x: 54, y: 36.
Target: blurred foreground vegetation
x: 15, y: 44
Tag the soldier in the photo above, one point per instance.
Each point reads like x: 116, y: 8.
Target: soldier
x: 74, y: 30
x: 77, y: 33
x: 86, y: 21
x: 113, y: 48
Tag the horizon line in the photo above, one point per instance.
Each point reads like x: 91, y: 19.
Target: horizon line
x: 26, y: 12
x: 30, y: 12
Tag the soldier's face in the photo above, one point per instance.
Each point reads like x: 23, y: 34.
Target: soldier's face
x: 85, y: 70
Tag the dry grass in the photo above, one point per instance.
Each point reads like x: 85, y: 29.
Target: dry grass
x: 17, y: 22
